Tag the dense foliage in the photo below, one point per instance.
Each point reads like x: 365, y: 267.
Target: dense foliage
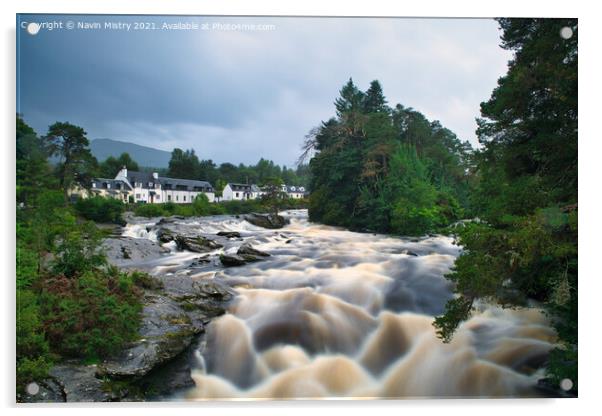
x: 100, y: 209
x: 186, y: 165
x: 70, y: 303
x: 526, y: 189
x: 378, y: 168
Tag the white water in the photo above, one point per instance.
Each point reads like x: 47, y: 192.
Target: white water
x: 334, y: 313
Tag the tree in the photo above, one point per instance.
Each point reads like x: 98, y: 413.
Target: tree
x: 381, y: 169
x: 526, y: 189
x: 184, y: 164
x: 273, y: 194
x: 374, y: 101
x: 70, y: 144
x: 111, y: 166
x: 33, y: 170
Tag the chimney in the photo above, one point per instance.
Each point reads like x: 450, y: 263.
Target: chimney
x: 155, y: 175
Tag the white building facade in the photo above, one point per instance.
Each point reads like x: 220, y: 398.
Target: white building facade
x: 241, y: 192
x: 150, y: 188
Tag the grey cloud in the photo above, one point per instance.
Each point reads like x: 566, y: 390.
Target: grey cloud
x: 239, y: 96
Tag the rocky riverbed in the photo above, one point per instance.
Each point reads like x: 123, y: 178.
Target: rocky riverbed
x: 240, y: 309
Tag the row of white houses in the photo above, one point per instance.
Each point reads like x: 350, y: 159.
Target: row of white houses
x: 150, y: 188
x: 241, y: 191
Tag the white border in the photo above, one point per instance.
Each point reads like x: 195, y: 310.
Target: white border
x: 589, y: 155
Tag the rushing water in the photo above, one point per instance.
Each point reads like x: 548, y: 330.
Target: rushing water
x: 334, y: 313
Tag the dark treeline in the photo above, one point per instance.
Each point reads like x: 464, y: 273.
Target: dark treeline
x: 385, y: 169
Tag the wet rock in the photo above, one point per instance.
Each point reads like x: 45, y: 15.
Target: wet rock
x: 205, y: 298
x: 79, y: 383
x: 125, y: 251
x: 409, y: 253
x: 230, y: 260
x: 200, y: 261
x: 233, y: 260
x: 166, y: 331
x: 198, y: 244
x: 271, y: 221
x: 164, y: 235
x: 49, y: 392
x: 247, y: 249
x: 229, y: 234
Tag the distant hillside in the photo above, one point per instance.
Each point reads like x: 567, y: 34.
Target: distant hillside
x: 143, y: 155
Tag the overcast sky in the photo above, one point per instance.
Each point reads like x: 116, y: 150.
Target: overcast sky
x: 238, y: 95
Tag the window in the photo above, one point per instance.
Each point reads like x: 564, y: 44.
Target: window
x: 137, y: 196
x: 158, y: 197
x: 169, y: 198
x: 176, y: 197
x: 184, y: 198
x: 237, y: 194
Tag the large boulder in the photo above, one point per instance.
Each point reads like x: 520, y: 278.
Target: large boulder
x: 198, y: 244
x: 128, y: 251
x: 166, y: 331
x: 45, y: 391
x: 271, y: 221
x: 80, y: 384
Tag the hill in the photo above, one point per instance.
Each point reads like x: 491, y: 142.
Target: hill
x: 143, y: 155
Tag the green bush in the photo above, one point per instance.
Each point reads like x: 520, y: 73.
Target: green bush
x: 150, y: 210
x: 99, y: 209
x: 201, y: 205
x: 92, y: 316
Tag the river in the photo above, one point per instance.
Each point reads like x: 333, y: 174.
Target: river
x: 333, y: 313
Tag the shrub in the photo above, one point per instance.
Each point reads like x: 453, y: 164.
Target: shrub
x: 149, y: 210
x: 92, y: 316
x: 101, y: 209
x: 201, y: 205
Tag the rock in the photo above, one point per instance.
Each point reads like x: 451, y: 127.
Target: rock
x: 164, y: 235
x: 229, y: 234
x: 200, y: 261
x: 198, y: 244
x: 127, y: 251
x: 229, y: 260
x: 80, y: 384
x: 166, y: 331
x: 409, y: 253
x: 49, y: 392
x: 271, y: 221
x: 206, y: 297
x: 247, y: 249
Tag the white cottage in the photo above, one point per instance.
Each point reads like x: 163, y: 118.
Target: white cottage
x: 239, y: 192
x: 154, y: 189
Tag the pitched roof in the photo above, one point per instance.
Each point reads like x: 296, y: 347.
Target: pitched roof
x: 146, y: 177
x: 240, y: 187
x: 188, y: 183
x: 101, y: 183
